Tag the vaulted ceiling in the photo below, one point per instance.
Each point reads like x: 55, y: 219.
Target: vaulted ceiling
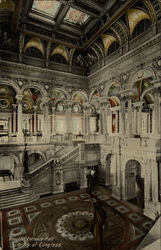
x: 78, y: 33
x: 74, y: 23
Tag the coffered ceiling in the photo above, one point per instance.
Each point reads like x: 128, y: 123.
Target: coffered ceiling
x: 74, y: 23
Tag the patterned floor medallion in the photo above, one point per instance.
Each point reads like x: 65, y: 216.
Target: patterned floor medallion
x: 75, y: 225
x: 63, y: 222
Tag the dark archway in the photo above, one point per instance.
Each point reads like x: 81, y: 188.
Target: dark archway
x: 134, y: 183
x: 35, y: 159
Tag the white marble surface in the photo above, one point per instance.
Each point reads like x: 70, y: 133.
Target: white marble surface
x: 153, y: 239
x: 9, y: 184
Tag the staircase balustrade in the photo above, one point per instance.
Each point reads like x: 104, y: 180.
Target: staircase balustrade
x: 50, y: 163
x: 68, y: 156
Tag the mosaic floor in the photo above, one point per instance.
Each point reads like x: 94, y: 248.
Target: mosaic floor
x: 63, y: 222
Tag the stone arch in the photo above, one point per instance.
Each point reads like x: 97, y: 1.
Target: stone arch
x: 116, y: 83
x: 81, y: 93
x: 64, y: 91
x: 13, y: 164
x: 140, y: 74
x: 79, y: 105
x: 92, y: 92
x: 12, y: 84
x: 37, y: 152
x: 35, y: 158
x: 100, y: 49
x: 152, y: 10
x: 146, y: 92
x: 36, y: 86
x: 95, y: 51
x: 134, y: 183
x: 113, y: 101
x: 59, y: 101
x: 71, y: 54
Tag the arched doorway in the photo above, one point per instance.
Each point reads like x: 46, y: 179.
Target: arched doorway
x: 35, y: 159
x: 134, y: 183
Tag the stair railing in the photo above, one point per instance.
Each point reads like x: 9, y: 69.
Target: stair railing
x: 50, y: 163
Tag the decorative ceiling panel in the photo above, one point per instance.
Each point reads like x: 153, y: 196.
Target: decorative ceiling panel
x: 49, y: 7
x: 73, y: 23
x: 76, y: 16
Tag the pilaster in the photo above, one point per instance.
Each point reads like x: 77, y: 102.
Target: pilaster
x: 19, y: 117
x: 68, y: 109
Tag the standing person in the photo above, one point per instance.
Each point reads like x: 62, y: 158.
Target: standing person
x: 98, y: 222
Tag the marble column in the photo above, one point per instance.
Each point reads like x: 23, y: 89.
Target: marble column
x: 9, y: 127
x: 148, y: 182
x: 68, y: 109
x: 86, y: 117
x: 154, y: 167
x: 53, y: 121
x: 35, y: 120
x: 156, y: 112
x: 139, y: 118
x: 135, y: 120
x: 46, y: 120
x: 14, y: 120
x: 19, y: 117
x: 129, y: 117
x: 117, y: 121
x: 101, y: 120
x: 122, y: 116
x: 30, y: 126
x: 103, y: 114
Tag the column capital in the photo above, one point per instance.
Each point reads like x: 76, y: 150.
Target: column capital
x: 127, y: 93
x: 53, y: 109
x: 103, y: 101
x: 35, y: 108
x: 68, y: 105
x: 138, y: 104
x: 45, y: 101
x: 14, y: 107
x: 86, y: 106
x: 19, y: 98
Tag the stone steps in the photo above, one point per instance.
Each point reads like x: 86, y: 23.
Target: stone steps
x: 14, y: 197
x: 9, y: 191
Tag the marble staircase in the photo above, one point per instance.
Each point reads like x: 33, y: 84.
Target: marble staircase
x: 37, y: 173
x: 15, y: 197
x: 12, y: 197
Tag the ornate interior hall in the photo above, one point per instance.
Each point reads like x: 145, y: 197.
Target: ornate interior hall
x: 80, y: 96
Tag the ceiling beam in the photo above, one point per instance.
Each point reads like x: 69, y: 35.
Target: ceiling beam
x: 53, y: 40
x: 68, y: 35
x: 71, y: 29
x: 41, y: 18
x: 89, y: 26
x: 90, y: 13
x: 93, y: 5
x: 16, y: 14
x: 110, y: 22
x: 109, y: 4
x: 62, y: 14
x: 47, y: 27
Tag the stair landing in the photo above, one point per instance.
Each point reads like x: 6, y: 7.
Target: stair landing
x: 9, y: 185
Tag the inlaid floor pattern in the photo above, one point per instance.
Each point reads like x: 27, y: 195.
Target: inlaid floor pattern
x: 63, y: 222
